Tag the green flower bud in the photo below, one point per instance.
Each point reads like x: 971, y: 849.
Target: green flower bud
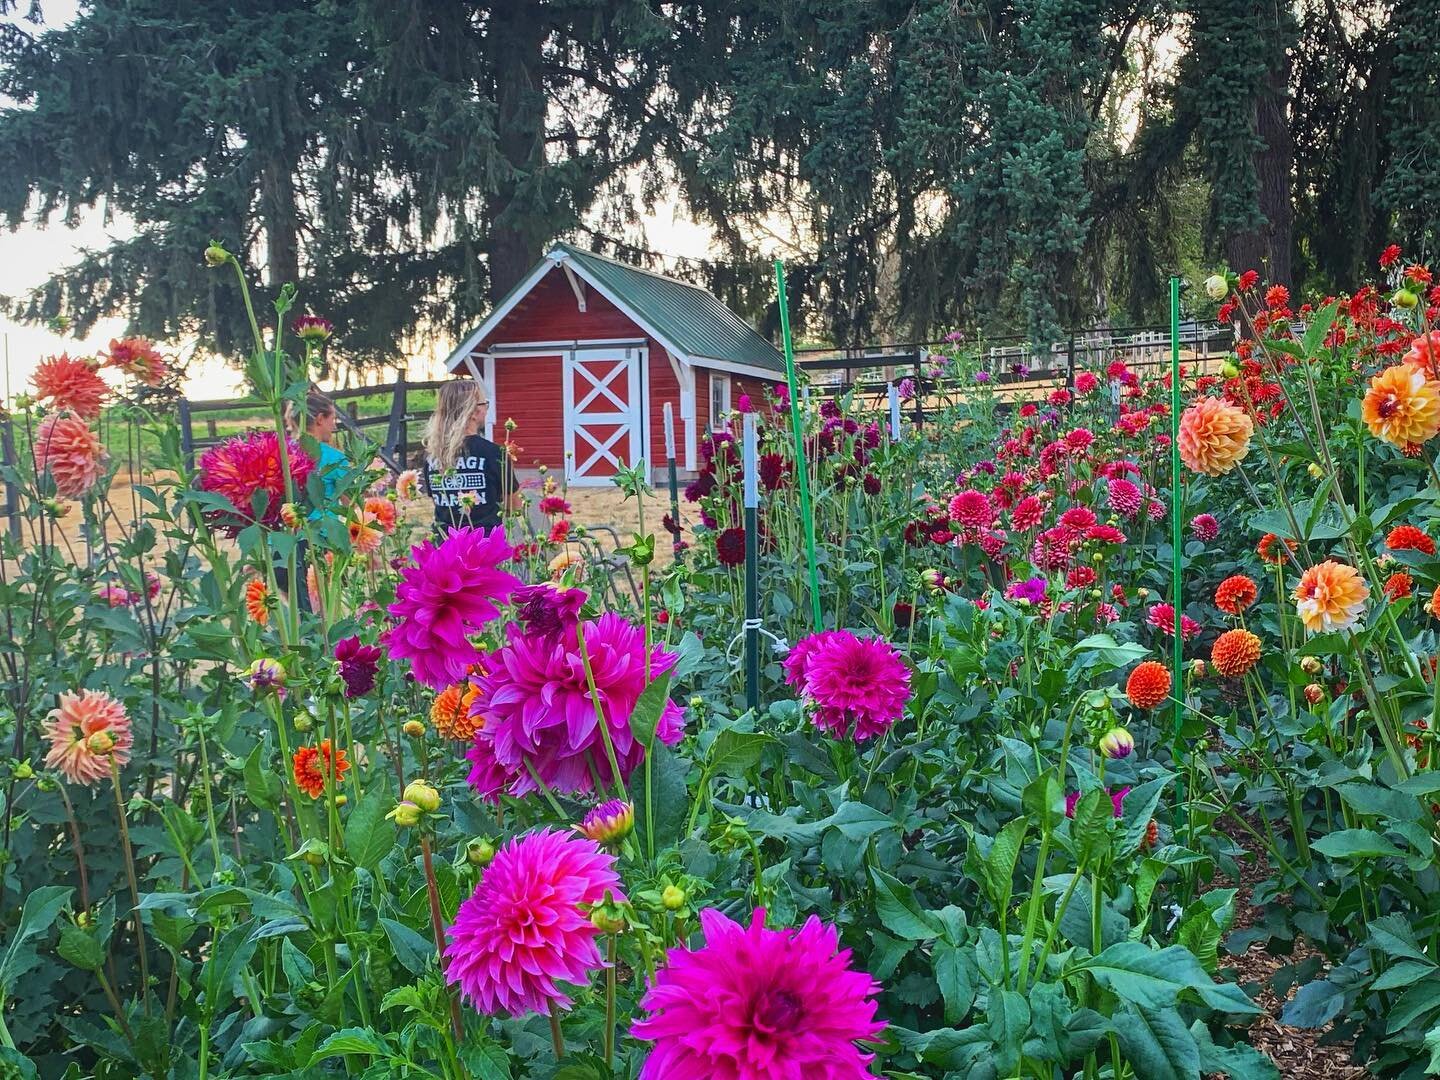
x: 673, y: 898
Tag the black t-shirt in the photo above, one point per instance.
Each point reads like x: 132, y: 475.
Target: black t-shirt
x: 475, y: 491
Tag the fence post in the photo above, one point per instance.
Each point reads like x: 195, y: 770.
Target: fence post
x: 187, y: 435
x: 1070, y: 364
x: 395, y: 438
x: 12, y: 492
x: 919, y: 392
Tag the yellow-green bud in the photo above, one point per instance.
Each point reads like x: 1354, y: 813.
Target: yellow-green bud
x: 102, y: 742
x: 607, y: 919
x: 1197, y: 669
x: 479, y: 852
x: 1229, y: 369
x: 1216, y: 287
x: 24, y: 771
x: 215, y: 255
x: 673, y: 897
x: 1315, y: 471
x: 406, y: 814
x: 1405, y: 298
x: 304, y: 721
x: 341, y: 799
x: 1311, y: 665
x: 413, y: 728
x: 423, y: 794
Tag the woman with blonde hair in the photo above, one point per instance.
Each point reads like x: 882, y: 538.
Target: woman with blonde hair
x: 468, y: 478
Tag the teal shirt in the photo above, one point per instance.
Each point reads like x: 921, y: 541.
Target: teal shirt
x: 332, y: 463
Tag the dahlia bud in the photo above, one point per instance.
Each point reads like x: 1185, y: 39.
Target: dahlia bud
x: 413, y: 728
x: 101, y: 743
x: 1405, y: 298
x: 1095, y: 594
x: 216, y: 256
x: 1315, y: 471
x: 1229, y: 369
x: 1117, y: 743
x: 23, y: 401
x: 1097, y: 557
x: 1197, y: 669
x: 607, y: 918
x: 479, y: 852
x: 1311, y: 665
x: 1216, y: 287
x: 1143, y: 594
x: 510, y: 424
x: 312, y: 328
x: 406, y: 814
x: 697, y: 702
x: 542, y: 469
x: 673, y: 897
x: 933, y: 580
x: 608, y: 823
x: 341, y: 799
x: 290, y: 516
x: 24, y: 771
x: 304, y: 721
x: 1314, y: 693
x: 423, y: 794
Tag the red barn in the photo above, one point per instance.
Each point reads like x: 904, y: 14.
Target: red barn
x: 585, y: 353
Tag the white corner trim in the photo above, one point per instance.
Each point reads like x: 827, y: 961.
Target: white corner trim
x: 747, y: 370
x: 466, y: 347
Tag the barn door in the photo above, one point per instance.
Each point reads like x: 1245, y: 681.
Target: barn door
x: 604, y: 413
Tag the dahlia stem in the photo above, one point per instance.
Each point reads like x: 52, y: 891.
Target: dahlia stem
x: 134, y: 885
x: 610, y: 1005
x: 80, y: 848
x: 437, y: 925
x: 555, y: 1036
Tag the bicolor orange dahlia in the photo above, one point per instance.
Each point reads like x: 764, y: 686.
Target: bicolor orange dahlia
x: 1148, y: 684
x: 1402, y: 406
x: 256, y: 601
x: 1214, y: 436
x: 313, y: 763
x: 137, y: 357
x: 450, y: 712
x: 1269, y: 550
x: 364, y: 536
x: 1409, y: 538
x: 88, y: 731
x: 382, y: 510
x: 1398, y: 586
x: 1424, y: 354
x: 1235, y: 594
x: 70, y: 382
x: 1330, y: 596
x: 1235, y: 652
x: 67, y: 448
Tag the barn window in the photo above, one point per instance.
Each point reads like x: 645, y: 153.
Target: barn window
x: 719, y: 402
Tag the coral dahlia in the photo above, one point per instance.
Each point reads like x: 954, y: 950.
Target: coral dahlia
x: 1270, y: 551
x: 70, y: 383
x: 1409, y: 538
x: 452, y: 591
x: 70, y: 452
x: 1235, y: 652
x: 314, y: 763
x: 1214, y: 436
x: 1330, y: 596
x: 88, y: 731
x: 138, y: 358
x: 525, y: 929
x: 859, y: 686
x: 257, y: 601
x: 1402, y: 406
x: 1236, y: 593
x: 758, y: 1004
x: 1148, y: 684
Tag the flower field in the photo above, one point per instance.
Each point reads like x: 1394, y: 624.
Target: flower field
x: 1007, y: 763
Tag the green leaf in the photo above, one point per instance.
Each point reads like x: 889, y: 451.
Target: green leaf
x: 672, y: 800
x: 369, y: 834
x: 349, y: 1041
x: 40, y: 910
x: 80, y: 948
x: 262, y: 785
x: 733, y: 752
x: 1156, y: 1043
x: 859, y: 821
x: 1239, y: 1062
x: 1375, y: 801
x: 1314, y: 1005
x: 1009, y: 1016
x: 231, y: 953
x: 1094, y: 825
x: 1154, y: 978
x: 1319, y: 328
x: 1106, y: 649
x: 16, y: 1066
x: 953, y: 969
x: 645, y: 717
x: 1405, y: 973
x: 898, y: 910
x: 1355, y: 844
x: 1393, y: 936
x: 486, y: 1060
x: 414, y: 951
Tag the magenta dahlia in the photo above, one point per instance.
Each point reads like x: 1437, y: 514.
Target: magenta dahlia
x: 1125, y: 497
x: 758, y: 1004
x: 539, y: 715
x: 452, y: 591
x: 853, y: 682
x: 523, y: 931
x: 1204, y: 526
x: 972, y: 508
x: 248, y: 469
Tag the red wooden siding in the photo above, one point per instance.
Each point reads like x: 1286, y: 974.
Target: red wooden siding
x: 527, y: 390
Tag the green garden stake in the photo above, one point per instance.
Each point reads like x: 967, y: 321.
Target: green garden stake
x: 802, y: 472
x: 752, y: 564
x: 1177, y: 646
x: 670, y: 463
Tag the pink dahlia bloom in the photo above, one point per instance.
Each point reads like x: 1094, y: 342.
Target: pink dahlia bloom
x: 972, y: 508
x: 88, y: 731
x: 854, y: 682
x: 241, y: 468
x: 758, y: 1004
x: 67, y: 448
x: 451, y: 592
x: 523, y: 932
x: 1028, y: 513
x: 1204, y: 526
x: 1125, y: 497
x: 1078, y: 518
x: 1162, y: 618
x: 539, y: 714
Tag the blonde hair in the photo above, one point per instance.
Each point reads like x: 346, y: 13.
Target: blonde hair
x: 316, y: 404
x: 455, y: 406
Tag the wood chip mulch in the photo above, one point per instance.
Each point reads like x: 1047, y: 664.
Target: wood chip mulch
x: 1297, y: 1052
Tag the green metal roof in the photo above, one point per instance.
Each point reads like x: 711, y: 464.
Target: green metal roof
x: 686, y: 316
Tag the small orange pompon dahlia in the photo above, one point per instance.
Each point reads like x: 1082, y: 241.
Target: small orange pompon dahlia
x: 1214, y: 436
x: 1235, y: 652
x: 257, y: 598
x: 1409, y: 538
x: 1235, y: 594
x: 1270, y: 551
x: 450, y: 712
x: 312, y: 763
x: 1330, y: 596
x: 1434, y: 605
x: 1398, y: 586
x: 1148, y: 684
x: 1402, y: 406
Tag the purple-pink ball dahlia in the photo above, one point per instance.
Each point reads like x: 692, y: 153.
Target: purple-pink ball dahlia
x: 523, y: 932
x: 451, y: 592
x: 539, y: 714
x: 853, y: 682
x: 758, y: 1004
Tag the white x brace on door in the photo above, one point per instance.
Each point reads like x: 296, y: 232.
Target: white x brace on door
x: 604, y: 411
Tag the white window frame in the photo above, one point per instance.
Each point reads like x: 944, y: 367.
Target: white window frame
x: 719, y: 405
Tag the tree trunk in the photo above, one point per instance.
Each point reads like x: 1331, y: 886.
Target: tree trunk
x: 1267, y: 248
x: 281, y: 217
x: 516, y: 36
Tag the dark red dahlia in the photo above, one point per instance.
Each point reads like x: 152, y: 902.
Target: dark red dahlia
x: 730, y: 547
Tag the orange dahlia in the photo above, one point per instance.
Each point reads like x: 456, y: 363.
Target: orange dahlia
x: 1398, y: 586
x: 364, y: 537
x: 137, y: 356
x: 1424, y: 354
x: 67, y: 382
x: 382, y: 510
x: 1270, y: 552
x: 70, y: 452
x: 88, y: 731
x: 1235, y: 652
x: 1402, y: 406
x: 450, y: 713
x: 1409, y: 538
x: 256, y: 601
x: 1235, y: 594
x: 313, y: 763
x: 1214, y: 436
x: 1435, y: 602
x: 1330, y: 596
x: 1148, y: 684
